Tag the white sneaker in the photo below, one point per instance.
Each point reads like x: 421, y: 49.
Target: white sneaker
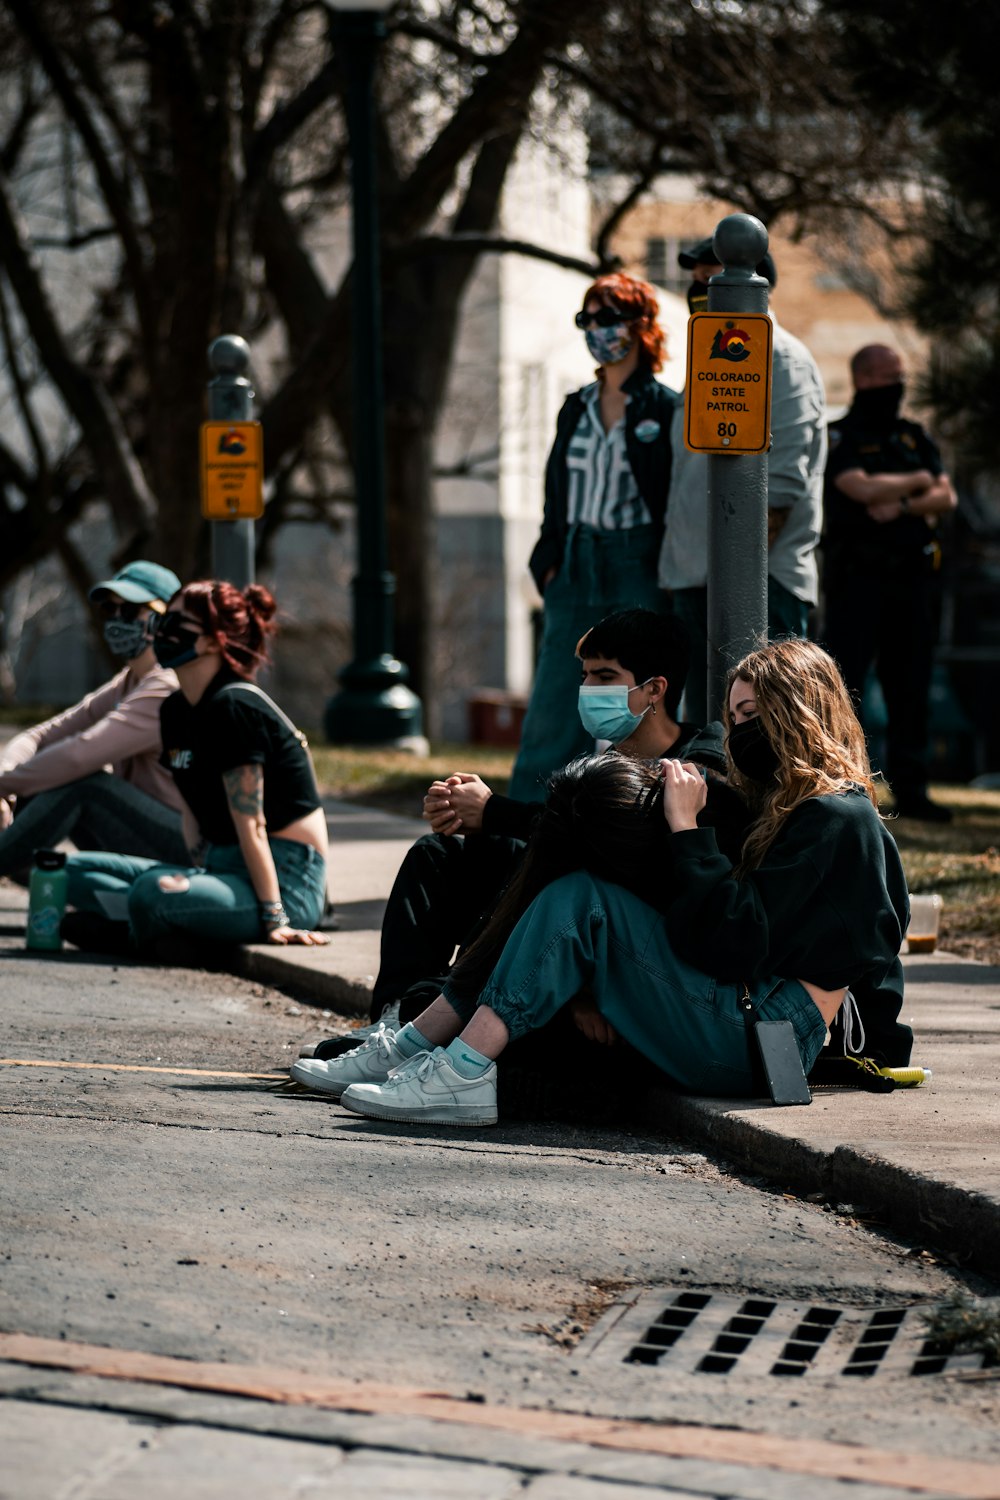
x: 426, y: 1090
x: 371, y: 1062
x: 389, y: 1019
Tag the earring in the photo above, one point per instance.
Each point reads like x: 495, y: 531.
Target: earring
x: 652, y: 708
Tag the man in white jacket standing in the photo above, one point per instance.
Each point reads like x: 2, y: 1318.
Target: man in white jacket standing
x: 796, y: 461
x: 92, y: 774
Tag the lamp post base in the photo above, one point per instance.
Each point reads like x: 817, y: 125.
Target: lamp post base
x: 376, y: 707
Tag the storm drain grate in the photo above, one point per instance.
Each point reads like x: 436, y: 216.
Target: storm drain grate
x: 701, y: 1333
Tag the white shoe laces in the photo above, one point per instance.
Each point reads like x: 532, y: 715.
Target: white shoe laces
x: 419, y: 1066
x: 379, y: 1041
x: 854, y: 1029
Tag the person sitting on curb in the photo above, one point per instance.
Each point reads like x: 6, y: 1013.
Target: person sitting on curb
x: 634, y: 666
x: 254, y: 826
x: 626, y: 898
x: 55, y: 777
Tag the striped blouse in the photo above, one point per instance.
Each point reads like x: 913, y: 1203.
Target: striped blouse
x: 602, y: 488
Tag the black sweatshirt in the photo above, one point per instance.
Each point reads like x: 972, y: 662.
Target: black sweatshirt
x: 828, y: 904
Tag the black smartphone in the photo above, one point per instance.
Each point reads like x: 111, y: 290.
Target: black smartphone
x: 779, y: 1053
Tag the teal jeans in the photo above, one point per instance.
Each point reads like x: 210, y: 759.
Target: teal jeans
x: 581, y: 932
x: 220, y: 902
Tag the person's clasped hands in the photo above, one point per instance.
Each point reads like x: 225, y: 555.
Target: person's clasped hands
x: 456, y: 804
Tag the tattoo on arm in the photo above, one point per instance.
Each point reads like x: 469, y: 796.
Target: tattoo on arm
x: 245, y: 790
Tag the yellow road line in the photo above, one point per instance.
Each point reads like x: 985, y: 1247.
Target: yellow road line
x: 965, y: 1478
x: 35, y: 1062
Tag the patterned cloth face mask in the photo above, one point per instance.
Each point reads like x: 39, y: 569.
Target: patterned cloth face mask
x: 609, y: 346
x: 126, y: 638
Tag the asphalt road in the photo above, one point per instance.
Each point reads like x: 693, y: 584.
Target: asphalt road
x: 164, y: 1192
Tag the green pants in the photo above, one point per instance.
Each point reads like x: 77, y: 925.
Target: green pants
x: 581, y: 932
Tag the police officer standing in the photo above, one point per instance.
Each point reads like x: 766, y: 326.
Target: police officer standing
x: 884, y: 491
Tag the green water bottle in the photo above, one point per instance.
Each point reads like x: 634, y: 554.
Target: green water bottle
x: 46, y: 899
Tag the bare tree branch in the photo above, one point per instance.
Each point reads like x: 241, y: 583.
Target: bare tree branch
x: 21, y: 388
x: 493, y: 244
x: 116, y: 195
x: 128, y: 492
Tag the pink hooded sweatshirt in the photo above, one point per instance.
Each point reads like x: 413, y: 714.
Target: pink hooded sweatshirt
x: 114, y: 728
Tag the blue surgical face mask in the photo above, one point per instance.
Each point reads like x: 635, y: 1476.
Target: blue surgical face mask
x: 609, y: 345
x: 604, y: 712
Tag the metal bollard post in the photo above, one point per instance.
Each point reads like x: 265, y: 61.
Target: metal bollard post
x: 737, y: 483
x: 230, y: 399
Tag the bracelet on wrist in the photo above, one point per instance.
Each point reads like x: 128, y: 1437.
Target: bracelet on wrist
x: 273, y: 916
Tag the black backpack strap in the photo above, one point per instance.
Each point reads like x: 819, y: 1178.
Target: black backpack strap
x: 259, y: 694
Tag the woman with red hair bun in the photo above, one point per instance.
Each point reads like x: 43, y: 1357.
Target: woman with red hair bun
x: 605, y: 497
x: 253, y: 822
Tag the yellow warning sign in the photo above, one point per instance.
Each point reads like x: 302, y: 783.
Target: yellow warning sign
x: 232, y: 471
x: 727, y: 400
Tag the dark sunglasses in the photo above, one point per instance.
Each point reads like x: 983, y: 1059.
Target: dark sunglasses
x: 604, y: 317
x: 114, y: 609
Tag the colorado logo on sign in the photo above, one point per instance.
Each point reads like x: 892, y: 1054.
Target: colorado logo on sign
x: 232, y: 471
x: 727, y: 399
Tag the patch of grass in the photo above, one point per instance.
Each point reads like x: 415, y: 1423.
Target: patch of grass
x: 24, y: 715
x: 966, y: 1326
x: 396, y: 781
x: 961, y: 861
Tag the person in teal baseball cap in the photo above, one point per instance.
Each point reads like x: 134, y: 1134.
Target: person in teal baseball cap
x: 139, y: 583
x: 54, y: 777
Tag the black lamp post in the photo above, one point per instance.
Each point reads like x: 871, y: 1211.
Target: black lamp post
x: 374, y: 705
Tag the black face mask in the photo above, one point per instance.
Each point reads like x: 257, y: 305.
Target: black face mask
x: 174, y: 643
x: 879, y: 407
x: 697, y: 295
x: 752, y: 752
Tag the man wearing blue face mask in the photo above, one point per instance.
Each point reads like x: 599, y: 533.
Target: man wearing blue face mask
x: 634, y: 665
x: 92, y: 774
x: 606, y: 485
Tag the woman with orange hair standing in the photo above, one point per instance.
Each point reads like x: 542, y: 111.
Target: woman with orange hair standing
x: 605, y: 496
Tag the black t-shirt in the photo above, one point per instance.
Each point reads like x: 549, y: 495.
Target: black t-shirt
x: 225, y: 729
x: 900, y: 449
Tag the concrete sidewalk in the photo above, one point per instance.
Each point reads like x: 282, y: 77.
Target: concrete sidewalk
x: 925, y: 1160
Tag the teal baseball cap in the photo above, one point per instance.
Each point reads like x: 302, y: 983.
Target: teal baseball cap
x: 139, y: 583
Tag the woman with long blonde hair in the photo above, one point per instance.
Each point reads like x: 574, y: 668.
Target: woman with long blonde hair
x: 673, y: 943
